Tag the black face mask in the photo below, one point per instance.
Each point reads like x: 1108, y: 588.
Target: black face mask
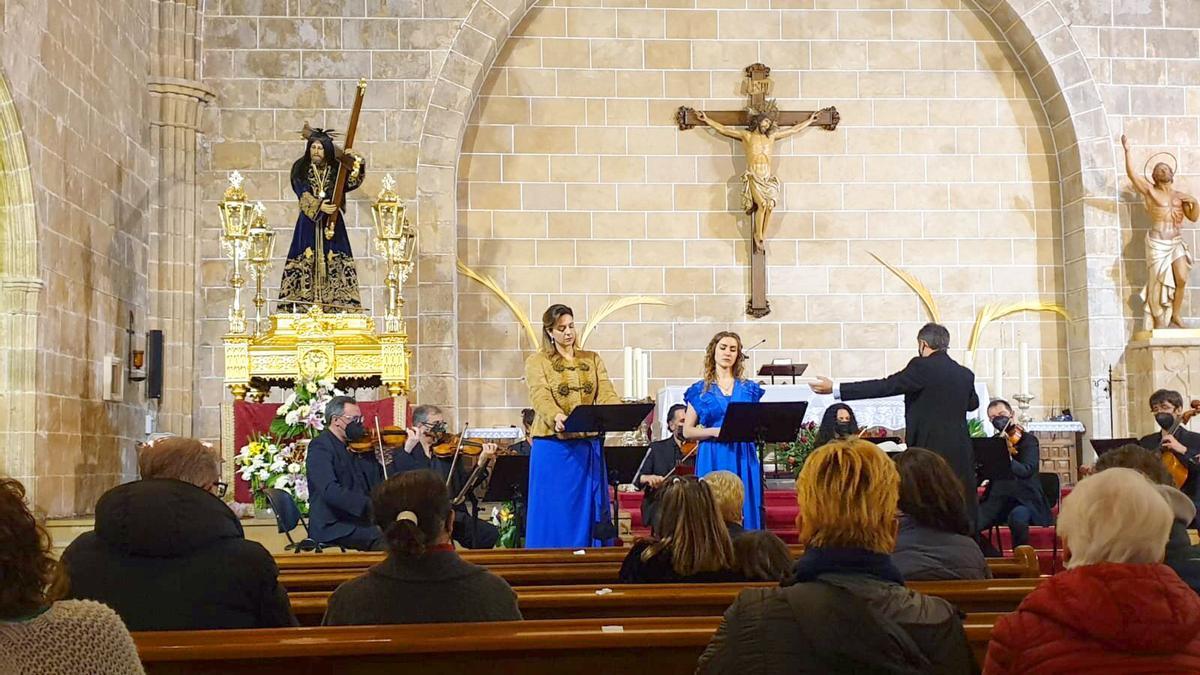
x: 843, y: 428
x: 355, y: 430
x: 1001, y: 423
x: 1165, y: 420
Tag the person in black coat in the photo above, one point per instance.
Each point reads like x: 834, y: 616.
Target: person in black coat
x: 938, y: 394
x: 1020, y: 502
x: 423, y: 580
x: 167, y: 554
x: 1167, y: 407
x: 429, y: 424
x: 661, y: 458
x: 340, y: 481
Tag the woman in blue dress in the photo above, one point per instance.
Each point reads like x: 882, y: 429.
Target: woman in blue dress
x: 568, y: 503
x: 707, y: 401
x: 320, y: 264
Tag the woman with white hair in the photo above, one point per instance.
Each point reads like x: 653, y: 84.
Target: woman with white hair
x: 1117, y: 608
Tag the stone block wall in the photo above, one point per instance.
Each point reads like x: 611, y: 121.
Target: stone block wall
x: 77, y: 73
x: 576, y: 187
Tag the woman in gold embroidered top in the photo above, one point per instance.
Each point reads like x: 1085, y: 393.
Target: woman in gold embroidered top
x: 568, y: 490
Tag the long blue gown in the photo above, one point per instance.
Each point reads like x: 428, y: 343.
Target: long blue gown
x: 568, y: 493
x: 740, y: 458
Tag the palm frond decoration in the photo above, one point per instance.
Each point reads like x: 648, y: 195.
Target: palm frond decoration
x: 998, y: 310
x: 915, y: 284
x: 490, y: 284
x: 613, y: 306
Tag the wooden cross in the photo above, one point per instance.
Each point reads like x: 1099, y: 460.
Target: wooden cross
x: 761, y: 187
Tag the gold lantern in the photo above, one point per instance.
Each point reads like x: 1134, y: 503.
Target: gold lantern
x: 261, y: 245
x: 238, y: 215
x: 396, y: 241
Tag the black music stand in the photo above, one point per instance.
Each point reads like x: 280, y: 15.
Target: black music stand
x: 1103, y: 445
x: 603, y: 419
x: 623, y: 462
x: 510, y: 482
x: 762, y: 423
x: 994, y: 462
x: 792, y: 370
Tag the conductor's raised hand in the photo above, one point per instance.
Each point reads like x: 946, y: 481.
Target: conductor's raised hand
x: 823, y: 385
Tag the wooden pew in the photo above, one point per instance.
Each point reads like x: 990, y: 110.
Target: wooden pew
x: 659, y: 645
x: 602, y: 568
x: 662, y: 600
x: 1024, y: 562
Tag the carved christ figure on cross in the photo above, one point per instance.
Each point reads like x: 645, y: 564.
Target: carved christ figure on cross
x: 760, y: 185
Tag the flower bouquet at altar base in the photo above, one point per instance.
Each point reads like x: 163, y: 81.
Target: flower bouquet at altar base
x: 504, y: 517
x: 267, y: 463
x: 791, y: 456
x: 302, y: 414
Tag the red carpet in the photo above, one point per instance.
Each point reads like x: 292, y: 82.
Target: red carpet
x: 781, y: 519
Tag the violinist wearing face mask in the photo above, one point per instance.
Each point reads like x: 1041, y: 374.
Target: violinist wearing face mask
x: 340, y: 481
x: 1020, y: 502
x: 1180, y: 448
x: 839, y: 422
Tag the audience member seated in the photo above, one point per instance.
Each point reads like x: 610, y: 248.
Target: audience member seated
x: 168, y: 554
x: 1181, y: 556
x: 837, y: 424
x: 1019, y: 502
x: 933, y: 541
x: 692, y: 545
x: 1116, y: 609
x: 423, y: 580
x: 847, y: 609
x: 37, y: 634
x: 729, y: 493
x: 340, y: 481
x: 762, y: 556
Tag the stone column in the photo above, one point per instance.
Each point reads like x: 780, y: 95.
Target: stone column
x: 176, y: 96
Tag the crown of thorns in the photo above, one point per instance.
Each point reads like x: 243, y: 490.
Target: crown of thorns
x: 770, y: 110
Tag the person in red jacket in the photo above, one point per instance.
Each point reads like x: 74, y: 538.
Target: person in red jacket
x: 1117, y: 608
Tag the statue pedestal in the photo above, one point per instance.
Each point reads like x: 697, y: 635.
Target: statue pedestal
x: 1163, y: 358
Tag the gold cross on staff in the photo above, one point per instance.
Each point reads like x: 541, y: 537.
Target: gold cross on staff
x: 758, y: 127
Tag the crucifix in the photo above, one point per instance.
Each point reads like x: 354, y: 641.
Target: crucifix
x: 764, y: 125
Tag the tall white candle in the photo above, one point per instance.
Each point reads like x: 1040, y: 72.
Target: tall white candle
x: 637, y: 374
x: 1024, y: 368
x: 627, y: 384
x: 998, y: 373
x: 646, y: 374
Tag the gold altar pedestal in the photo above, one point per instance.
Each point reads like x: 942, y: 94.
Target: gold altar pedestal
x: 1163, y: 358
x: 317, y: 346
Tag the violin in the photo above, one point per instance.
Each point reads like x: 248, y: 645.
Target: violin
x: 689, y: 449
x: 1170, y: 459
x: 447, y: 444
x: 385, y: 438
x: 1013, y: 435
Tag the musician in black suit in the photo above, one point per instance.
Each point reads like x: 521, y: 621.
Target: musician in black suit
x: 340, y: 481
x: 523, y: 447
x: 660, y: 460
x: 938, y: 394
x: 429, y: 425
x: 1167, y: 406
x: 1019, y: 502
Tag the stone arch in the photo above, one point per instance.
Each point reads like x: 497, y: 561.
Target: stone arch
x: 1041, y: 40
x: 20, y: 289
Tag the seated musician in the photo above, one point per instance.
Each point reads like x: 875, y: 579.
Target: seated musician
x: 428, y: 430
x: 523, y: 448
x: 1167, y: 407
x: 661, y: 459
x: 423, y: 580
x: 1020, y: 502
x: 837, y: 423
x: 340, y: 481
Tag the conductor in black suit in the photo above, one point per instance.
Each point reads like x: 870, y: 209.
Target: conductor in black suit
x: 938, y: 394
x: 660, y: 459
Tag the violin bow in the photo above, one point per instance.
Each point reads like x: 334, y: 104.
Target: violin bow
x: 457, y: 451
x: 379, y: 439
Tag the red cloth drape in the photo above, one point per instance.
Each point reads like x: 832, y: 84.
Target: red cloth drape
x: 253, y: 418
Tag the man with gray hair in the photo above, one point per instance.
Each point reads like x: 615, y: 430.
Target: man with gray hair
x: 340, y: 481
x: 938, y: 394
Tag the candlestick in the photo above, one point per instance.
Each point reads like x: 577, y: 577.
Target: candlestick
x: 637, y: 374
x: 1024, y: 363
x: 1023, y: 401
x: 998, y: 373
x: 646, y: 374
x: 628, y: 386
